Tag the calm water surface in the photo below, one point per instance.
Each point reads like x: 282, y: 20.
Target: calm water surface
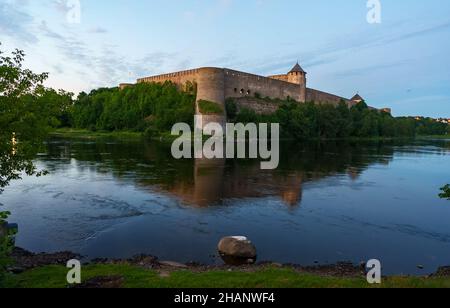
x: 327, y: 202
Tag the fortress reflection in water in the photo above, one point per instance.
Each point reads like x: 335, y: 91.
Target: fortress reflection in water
x: 203, y: 182
x: 215, y: 181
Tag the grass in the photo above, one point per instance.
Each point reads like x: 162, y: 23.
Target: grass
x: 135, y: 277
x: 207, y: 107
x: 87, y: 134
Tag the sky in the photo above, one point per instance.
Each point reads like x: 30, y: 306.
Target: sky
x: 402, y: 62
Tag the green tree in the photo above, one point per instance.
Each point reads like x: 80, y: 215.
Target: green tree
x: 445, y: 192
x: 25, y: 119
x: 145, y: 107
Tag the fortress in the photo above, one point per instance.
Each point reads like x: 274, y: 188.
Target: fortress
x: 216, y: 85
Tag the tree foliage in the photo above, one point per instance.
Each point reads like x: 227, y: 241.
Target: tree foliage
x: 445, y: 192
x: 322, y: 121
x: 27, y: 111
x: 138, y: 108
x: 428, y: 127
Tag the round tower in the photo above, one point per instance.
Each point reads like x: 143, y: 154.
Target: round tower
x: 211, y: 91
x: 298, y: 76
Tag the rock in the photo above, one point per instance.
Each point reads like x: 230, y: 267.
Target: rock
x: 237, y: 247
x: 279, y: 265
x: 27, y: 260
x: 15, y: 270
x: 172, y: 264
x: 442, y: 272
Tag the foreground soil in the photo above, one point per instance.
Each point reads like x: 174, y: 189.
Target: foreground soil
x: 49, y: 271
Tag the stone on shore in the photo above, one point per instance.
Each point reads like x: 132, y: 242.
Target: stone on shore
x: 173, y: 264
x: 237, y: 247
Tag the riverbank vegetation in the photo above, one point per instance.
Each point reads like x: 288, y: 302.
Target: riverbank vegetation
x: 312, y: 121
x: 141, y: 108
x: 130, y: 276
x: 445, y: 192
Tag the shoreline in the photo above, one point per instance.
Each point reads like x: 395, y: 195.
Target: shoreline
x: 167, y: 137
x: 149, y: 271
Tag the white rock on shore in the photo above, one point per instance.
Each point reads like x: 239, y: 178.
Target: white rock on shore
x: 238, y: 247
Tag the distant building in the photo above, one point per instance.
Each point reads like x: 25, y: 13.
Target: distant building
x: 445, y: 121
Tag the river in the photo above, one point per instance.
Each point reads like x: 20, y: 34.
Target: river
x: 327, y: 202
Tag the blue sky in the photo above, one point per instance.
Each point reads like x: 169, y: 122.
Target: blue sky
x: 402, y: 63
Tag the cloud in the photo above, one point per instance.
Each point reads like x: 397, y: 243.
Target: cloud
x: 98, y: 30
x: 418, y: 33
x: 369, y: 69
x: 16, y: 23
x: 104, y: 66
x: 61, y: 6
x: 333, y: 51
x: 45, y: 30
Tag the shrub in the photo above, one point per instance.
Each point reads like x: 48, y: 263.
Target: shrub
x: 445, y: 192
x: 208, y: 107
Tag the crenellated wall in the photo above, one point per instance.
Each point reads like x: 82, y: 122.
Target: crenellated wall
x: 323, y: 97
x: 283, y: 77
x: 177, y: 78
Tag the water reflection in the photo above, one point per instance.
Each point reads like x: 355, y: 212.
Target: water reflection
x: 204, y: 182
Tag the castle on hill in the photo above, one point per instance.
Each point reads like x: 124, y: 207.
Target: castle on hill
x: 219, y: 84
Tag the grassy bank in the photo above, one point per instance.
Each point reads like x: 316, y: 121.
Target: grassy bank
x: 166, y: 136
x: 87, y: 134
x: 72, y: 133
x: 132, y: 276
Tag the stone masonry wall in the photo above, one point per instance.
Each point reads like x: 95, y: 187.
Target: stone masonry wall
x: 323, y: 97
x: 239, y: 84
x: 260, y: 106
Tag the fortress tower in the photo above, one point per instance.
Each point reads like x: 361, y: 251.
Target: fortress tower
x: 298, y: 76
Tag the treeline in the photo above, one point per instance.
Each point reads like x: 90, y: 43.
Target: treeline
x: 143, y: 108
x: 309, y: 120
x: 428, y: 127
x: 154, y: 108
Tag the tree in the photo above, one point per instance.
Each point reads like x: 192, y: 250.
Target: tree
x: 445, y: 192
x: 137, y: 108
x: 24, y: 122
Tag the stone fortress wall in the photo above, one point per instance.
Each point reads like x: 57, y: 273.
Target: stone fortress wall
x: 324, y: 97
x: 239, y: 84
x: 218, y: 84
